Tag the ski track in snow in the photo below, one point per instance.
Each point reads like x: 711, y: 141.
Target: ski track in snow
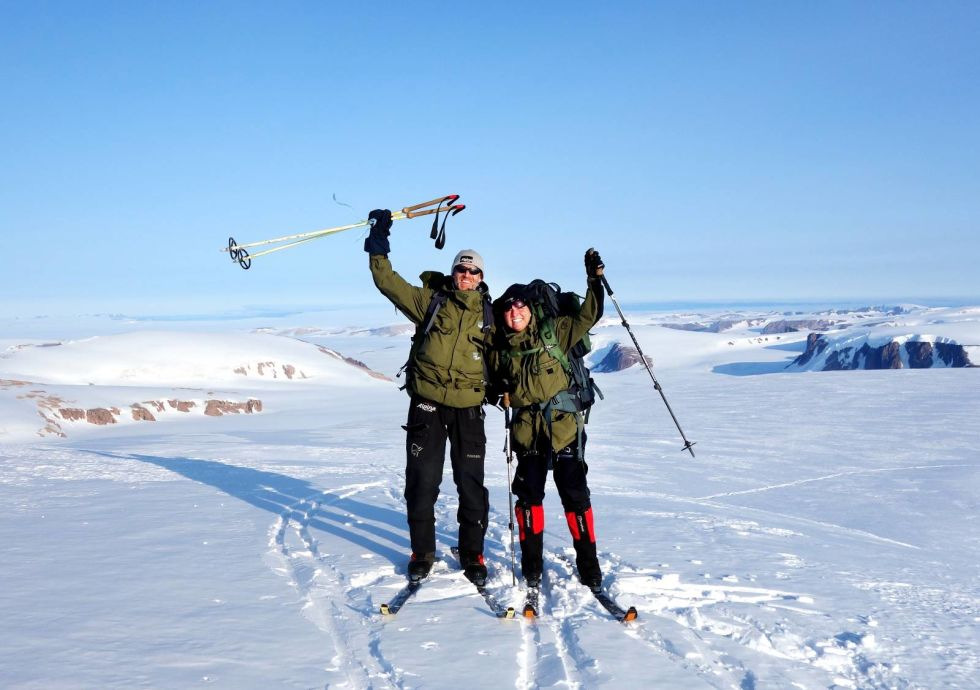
x: 324, y: 589
x: 706, y: 631
x: 835, y: 475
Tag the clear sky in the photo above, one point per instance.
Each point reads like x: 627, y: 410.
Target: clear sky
x: 711, y: 151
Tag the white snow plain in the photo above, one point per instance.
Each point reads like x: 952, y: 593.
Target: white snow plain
x: 825, y: 536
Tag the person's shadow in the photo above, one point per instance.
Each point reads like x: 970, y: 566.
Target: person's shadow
x: 369, y: 526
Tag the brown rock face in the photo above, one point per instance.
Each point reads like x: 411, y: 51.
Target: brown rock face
x: 181, y: 405
x: 99, y: 415
x: 6, y: 383
x: 141, y: 414
x: 71, y: 414
x: 354, y: 363
x: 216, y: 408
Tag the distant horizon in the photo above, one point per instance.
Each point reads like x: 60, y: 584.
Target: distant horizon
x: 372, y: 307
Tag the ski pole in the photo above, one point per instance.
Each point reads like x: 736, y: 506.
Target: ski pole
x: 688, y: 445
x: 239, y: 252
x: 509, y: 451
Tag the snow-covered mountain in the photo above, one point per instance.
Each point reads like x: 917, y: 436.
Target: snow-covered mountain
x: 55, y: 388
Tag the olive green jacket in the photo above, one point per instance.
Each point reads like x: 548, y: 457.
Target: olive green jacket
x: 447, y: 366
x: 536, y: 378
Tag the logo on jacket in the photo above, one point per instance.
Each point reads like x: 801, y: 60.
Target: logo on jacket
x: 416, y: 449
x: 426, y: 407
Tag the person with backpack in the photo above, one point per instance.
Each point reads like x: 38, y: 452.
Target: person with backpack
x: 446, y: 379
x: 536, y: 362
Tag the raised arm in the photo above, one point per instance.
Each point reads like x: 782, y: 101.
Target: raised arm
x: 592, y: 306
x: 410, y: 300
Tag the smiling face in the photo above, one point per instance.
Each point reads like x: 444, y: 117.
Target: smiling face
x: 463, y: 279
x: 517, y: 315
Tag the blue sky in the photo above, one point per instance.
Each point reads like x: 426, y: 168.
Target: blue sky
x: 710, y: 151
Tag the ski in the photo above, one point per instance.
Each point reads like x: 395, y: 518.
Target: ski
x: 618, y: 612
x: 394, y: 605
x: 499, y: 609
x: 532, y: 605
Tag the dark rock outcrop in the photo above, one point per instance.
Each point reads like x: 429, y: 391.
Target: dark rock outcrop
x: 718, y: 326
x: 792, y: 326
x: 815, y: 345
x: 953, y: 355
x: 618, y: 358
x: 919, y: 354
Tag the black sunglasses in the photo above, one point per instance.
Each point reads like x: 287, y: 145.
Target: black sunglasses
x: 471, y: 271
x: 514, y: 303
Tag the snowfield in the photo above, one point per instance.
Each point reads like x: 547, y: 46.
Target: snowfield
x: 825, y: 536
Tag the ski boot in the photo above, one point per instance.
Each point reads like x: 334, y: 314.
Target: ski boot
x: 474, y: 568
x: 419, y: 565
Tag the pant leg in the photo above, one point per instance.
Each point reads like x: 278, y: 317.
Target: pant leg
x: 425, y: 449
x: 528, y: 486
x: 573, y: 488
x: 468, y: 449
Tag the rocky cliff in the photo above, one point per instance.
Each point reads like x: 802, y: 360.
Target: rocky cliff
x: 823, y: 354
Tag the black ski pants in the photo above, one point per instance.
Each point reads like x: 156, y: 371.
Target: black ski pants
x: 428, y: 428
x: 570, y: 473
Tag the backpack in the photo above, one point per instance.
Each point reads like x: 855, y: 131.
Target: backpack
x: 547, y: 302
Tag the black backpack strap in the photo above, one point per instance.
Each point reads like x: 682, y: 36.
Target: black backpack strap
x: 487, y: 314
x: 439, y: 299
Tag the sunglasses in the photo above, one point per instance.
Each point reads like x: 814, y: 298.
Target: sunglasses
x: 514, y: 304
x: 471, y: 271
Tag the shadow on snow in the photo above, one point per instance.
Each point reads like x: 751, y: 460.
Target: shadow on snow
x: 282, y: 495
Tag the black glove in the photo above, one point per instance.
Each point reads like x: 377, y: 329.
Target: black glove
x: 593, y: 264
x: 377, y: 241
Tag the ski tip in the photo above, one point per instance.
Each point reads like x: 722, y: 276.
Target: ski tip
x: 510, y: 612
x: 385, y: 611
x: 631, y: 615
x: 529, y: 612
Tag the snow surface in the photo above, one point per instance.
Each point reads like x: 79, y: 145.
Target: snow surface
x: 825, y: 535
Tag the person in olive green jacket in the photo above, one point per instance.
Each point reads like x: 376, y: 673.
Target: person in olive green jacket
x: 543, y: 437
x: 447, y: 385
